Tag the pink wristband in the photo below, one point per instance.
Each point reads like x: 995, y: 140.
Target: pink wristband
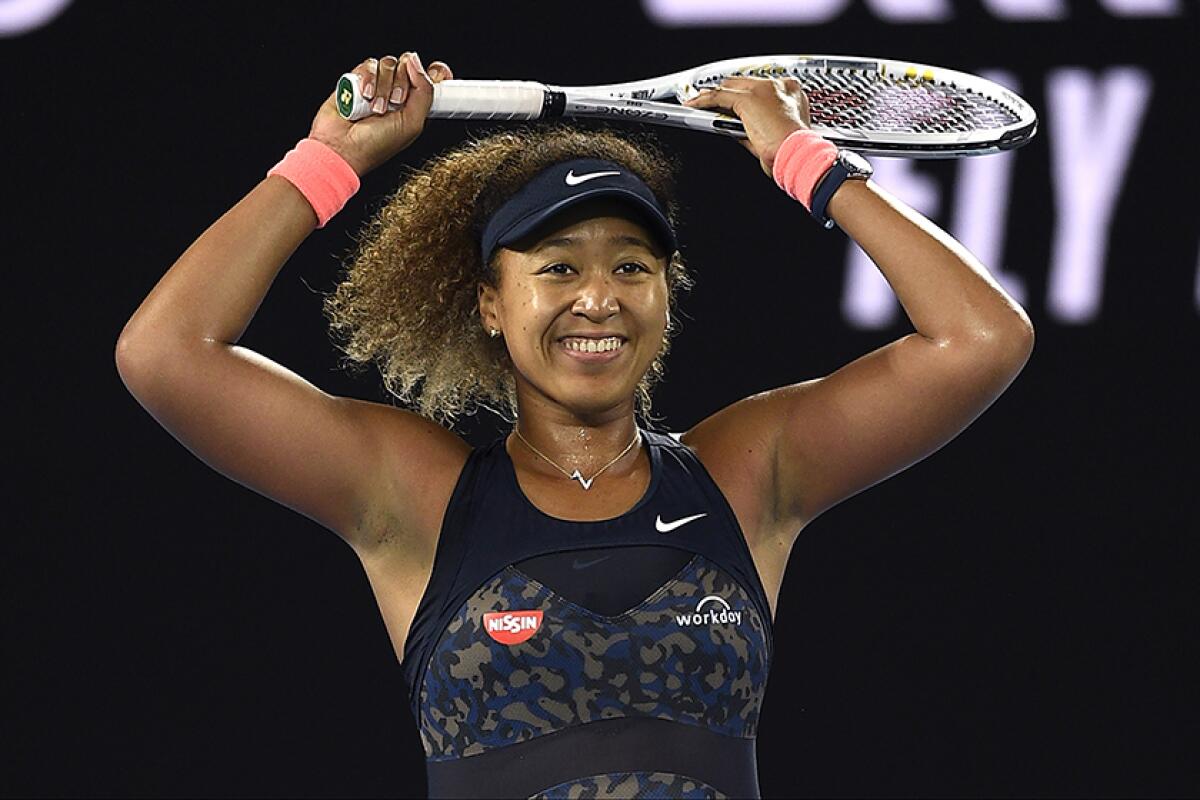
x: 802, y: 160
x: 321, y: 175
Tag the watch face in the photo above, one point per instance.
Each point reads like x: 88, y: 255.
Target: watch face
x: 856, y: 164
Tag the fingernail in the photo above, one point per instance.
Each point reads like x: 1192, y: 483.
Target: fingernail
x: 417, y: 58
x: 369, y: 91
x: 380, y: 105
x: 398, y: 95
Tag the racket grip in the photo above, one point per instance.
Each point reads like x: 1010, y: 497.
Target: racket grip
x: 455, y: 99
x: 502, y: 100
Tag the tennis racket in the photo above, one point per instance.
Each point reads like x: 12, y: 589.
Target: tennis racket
x: 870, y: 105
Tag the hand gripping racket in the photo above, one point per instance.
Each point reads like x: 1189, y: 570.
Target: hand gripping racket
x: 870, y: 105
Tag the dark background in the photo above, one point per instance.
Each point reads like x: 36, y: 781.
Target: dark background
x: 1005, y: 618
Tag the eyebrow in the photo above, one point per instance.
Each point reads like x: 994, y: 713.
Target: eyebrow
x: 567, y: 241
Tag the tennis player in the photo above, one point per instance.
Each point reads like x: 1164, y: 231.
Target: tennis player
x: 583, y: 607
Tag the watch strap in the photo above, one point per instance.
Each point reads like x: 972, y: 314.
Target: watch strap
x: 829, y: 184
x: 843, y: 169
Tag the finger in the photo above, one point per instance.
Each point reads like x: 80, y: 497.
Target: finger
x: 401, y: 83
x: 421, y: 89
x: 743, y: 84
x: 793, y: 86
x: 440, y: 71
x: 795, y: 89
x: 702, y: 99
x: 725, y: 99
x: 805, y: 109
x: 366, y: 71
x: 418, y: 78
x: 383, y: 85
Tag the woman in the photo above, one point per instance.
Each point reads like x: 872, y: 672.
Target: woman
x: 584, y: 606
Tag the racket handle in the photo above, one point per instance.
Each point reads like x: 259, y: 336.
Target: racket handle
x: 455, y: 99
x: 488, y: 100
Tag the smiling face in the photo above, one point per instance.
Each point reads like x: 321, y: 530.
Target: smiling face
x: 592, y: 274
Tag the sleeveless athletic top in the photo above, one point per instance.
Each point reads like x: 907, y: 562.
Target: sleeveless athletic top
x: 619, y: 658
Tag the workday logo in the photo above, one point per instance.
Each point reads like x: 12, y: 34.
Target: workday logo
x: 717, y: 612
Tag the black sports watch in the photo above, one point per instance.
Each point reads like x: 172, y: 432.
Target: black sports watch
x: 848, y: 166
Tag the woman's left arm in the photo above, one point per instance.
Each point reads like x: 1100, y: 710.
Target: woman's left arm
x: 893, y: 407
x: 822, y: 441
x: 948, y: 295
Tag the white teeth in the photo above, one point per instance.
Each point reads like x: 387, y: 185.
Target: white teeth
x: 593, y: 345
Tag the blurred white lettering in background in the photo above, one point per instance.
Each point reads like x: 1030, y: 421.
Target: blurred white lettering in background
x: 1092, y: 120
x: 21, y: 16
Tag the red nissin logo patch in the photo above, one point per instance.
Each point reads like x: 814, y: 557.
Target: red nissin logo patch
x: 511, y: 627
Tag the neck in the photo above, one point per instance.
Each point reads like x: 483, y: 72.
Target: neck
x: 572, y: 444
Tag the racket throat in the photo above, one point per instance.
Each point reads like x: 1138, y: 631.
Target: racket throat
x: 554, y: 103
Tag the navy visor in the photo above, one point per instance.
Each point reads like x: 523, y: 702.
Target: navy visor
x: 561, y: 186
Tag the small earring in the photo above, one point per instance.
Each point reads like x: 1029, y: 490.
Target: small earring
x: 494, y: 333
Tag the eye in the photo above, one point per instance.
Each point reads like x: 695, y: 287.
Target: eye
x: 634, y: 264
x: 554, y: 269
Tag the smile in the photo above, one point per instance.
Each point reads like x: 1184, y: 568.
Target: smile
x: 592, y: 350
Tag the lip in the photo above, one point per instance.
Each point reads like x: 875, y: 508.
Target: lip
x: 592, y: 358
x: 596, y: 336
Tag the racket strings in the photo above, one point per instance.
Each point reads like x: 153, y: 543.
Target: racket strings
x: 867, y: 100
x: 902, y: 105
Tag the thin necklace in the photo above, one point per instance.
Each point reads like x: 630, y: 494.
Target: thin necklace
x: 586, y: 483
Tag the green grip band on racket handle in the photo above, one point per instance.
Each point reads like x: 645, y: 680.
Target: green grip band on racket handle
x: 461, y: 99
x: 351, y: 104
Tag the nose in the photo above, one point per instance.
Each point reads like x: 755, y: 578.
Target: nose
x: 596, y: 300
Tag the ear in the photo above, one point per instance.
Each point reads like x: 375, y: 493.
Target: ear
x: 488, y: 297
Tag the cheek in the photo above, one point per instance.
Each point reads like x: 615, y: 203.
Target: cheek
x: 659, y: 308
x: 528, y: 313
x: 537, y: 305
x: 519, y: 301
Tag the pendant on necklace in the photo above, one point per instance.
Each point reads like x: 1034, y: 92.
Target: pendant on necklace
x: 584, y: 483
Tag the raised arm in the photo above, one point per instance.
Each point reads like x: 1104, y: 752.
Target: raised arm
x: 332, y: 459
x: 819, y: 442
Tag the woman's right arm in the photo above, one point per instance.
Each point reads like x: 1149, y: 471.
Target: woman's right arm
x: 332, y: 459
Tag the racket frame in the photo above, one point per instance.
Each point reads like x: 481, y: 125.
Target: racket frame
x: 643, y: 101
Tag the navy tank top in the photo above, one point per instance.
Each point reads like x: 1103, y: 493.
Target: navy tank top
x: 617, y: 658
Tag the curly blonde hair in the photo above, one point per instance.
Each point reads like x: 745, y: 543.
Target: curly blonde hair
x: 408, y: 298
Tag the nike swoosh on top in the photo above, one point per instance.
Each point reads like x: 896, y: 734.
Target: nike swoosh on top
x: 579, y: 564
x: 667, y: 527
x: 574, y: 180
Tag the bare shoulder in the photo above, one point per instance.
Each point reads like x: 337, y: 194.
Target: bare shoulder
x: 421, y: 462
x: 738, y: 447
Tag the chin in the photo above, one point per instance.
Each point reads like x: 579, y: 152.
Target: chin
x: 599, y: 399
